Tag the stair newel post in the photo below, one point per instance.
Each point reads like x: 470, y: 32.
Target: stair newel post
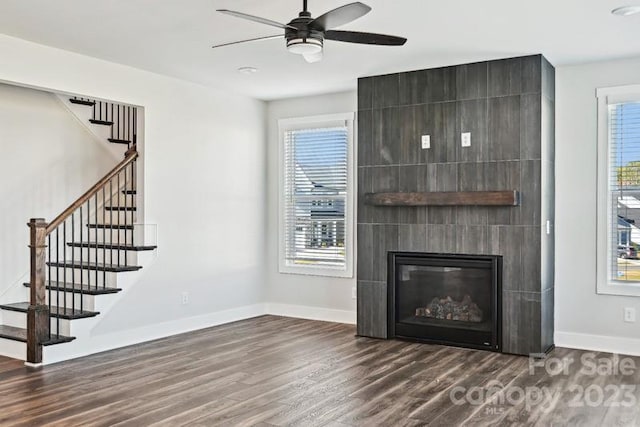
x: 38, y: 313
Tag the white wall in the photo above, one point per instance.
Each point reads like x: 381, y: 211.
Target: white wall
x: 324, y: 298
x: 205, y: 176
x: 204, y: 183
x: 583, y: 318
x: 47, y: 160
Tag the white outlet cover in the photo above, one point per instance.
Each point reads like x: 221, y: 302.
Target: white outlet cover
x: 466, y: 139
x: 629, y: 315
x: 426, y: 142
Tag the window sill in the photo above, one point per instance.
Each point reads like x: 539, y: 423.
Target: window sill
x: 315, y: 271
x: 619, y: 289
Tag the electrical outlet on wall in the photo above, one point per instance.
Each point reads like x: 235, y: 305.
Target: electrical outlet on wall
x: 185, y: 298
x: 466, y: 139
x: 426, y: 142
x: 629, y: 315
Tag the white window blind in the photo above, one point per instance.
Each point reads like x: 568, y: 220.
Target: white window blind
x: 624, y: 190
x: 315, y: 196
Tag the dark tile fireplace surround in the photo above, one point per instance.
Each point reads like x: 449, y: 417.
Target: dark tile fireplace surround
x: 472, y: 275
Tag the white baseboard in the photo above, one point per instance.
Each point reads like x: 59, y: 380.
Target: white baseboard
x: 312, y: 313
x: 90, y: 344
x: 617, y: 345
x: 99, y: 343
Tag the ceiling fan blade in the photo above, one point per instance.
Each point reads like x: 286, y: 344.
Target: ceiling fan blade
x: 364, y: 38
x: 314, y: 57
x: 255, y: 19
x: 279, y: 36
x: 341, y: 15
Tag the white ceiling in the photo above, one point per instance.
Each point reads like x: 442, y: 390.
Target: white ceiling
x: 173, y: 37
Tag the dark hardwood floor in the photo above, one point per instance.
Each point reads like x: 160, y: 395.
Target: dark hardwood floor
x: 280, y: 371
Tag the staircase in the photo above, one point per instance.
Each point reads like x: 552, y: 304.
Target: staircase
x: 76, y: 258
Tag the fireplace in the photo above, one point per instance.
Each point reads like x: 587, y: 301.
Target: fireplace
x: 445, y: 299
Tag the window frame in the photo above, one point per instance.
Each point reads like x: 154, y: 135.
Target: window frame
x: 605, y: 284
x: 288, y: 124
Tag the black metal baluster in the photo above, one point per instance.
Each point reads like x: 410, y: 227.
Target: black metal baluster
x: 118, y: 107
x: 49, y: 268
x: 104, y: 238
x: 73, y: 261
x: 111, y: 134
x: 64, y: 270
x: 93, y: 114
x: 81, y: 259
x: 118, y: 212
x: 110, y: 222
x: 95, y: 216
x: 58, y: 279
x: 132, y: 186
x: 135, y: 124
x: 126, y: 216
x: 125, y: 120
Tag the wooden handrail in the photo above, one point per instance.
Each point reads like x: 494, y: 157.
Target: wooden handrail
x: 129, y: 157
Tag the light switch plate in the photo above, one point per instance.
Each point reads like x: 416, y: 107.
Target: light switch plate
x: 426, y: 142
x: 466, y: 139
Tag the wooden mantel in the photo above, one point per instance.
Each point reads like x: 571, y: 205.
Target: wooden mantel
x: 445, y: 198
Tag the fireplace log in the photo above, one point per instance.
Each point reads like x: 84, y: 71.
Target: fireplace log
x: 449, y: 309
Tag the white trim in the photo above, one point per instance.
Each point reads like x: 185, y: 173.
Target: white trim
x: 13, y: 349
x: 619, y: 94
x: 606, y: 286
x: 98, y: 343
x: 616, y: 345
x: 33, y: 365
x: 301, y: 123
x: 312, y: 313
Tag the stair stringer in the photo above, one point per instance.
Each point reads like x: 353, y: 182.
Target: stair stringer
x: 13, y: 349
x: 84, y: 330
x: 16, y: 292
x: 99, y: 134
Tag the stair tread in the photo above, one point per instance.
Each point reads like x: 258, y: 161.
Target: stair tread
x: 101, y: 122
x: 119, y: 141
x: 76, y: 288
x: 82, y: 102
x: 117, y: 246
x: 120, y: 208
x: 129, y: 191
x: 13, y: 333
x: 20, y: 334
x: 113, y: 226
x: 61, y: 312
x: 114, y: 268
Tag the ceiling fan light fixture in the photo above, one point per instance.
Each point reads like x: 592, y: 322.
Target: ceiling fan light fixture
x: 626, y: 10
x: 307, y: 46
x: 247, y: 70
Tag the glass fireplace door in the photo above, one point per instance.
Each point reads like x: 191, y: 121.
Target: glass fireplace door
x: 451, y: 299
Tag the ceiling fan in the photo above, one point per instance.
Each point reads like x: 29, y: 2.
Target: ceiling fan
x: 306, y: 35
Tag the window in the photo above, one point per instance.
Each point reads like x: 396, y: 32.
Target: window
x: 316, y: 195
x: 619, y: 190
